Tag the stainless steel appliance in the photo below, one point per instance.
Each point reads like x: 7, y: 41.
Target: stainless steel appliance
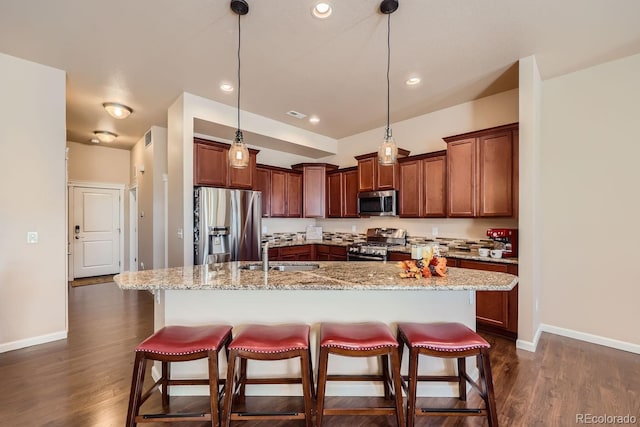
x: 377, y: 245
x: 507, y: 240
x: 378, y: 203
x: 226, y: 225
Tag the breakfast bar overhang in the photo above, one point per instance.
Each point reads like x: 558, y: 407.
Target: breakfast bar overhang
x: 231, y: 293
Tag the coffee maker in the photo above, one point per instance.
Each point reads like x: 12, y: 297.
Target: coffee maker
x: 507, y: 237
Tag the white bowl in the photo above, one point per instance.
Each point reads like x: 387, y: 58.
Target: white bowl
x: 483, y: 251
x: 496, y: 253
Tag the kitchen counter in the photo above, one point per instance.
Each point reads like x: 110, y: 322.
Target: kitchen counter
x: 337, y: 291
x: 331, y: 275
x: 451, y: 253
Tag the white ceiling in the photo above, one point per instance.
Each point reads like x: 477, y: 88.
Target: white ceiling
x: 145, y: 53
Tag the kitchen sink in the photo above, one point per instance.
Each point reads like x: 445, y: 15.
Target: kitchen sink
x: 281, y: 267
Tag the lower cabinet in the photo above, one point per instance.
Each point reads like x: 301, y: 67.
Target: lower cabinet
x: 331, y: 253
x: 496, y: 311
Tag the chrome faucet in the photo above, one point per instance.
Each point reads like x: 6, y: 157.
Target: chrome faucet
x: 265, y: 257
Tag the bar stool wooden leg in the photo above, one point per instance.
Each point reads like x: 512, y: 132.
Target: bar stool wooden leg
x: 139, y: 367
x: 397, y: 387
x: 413, y: 387
x: 488, y: 388
x: 462, y: 381
x: 322, y: 384
x: 229, y: 388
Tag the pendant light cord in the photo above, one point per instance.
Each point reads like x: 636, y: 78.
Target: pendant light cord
x: 388, y: 66
x: 239, y: 28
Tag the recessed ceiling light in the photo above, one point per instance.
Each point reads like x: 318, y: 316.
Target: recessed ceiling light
x: 105, y: 135
x: 95, y: 140
x: 413, y: 81
x: 119, y: 111
x: 314, y: 119
x: 226, y: 87
x: 322, y: 10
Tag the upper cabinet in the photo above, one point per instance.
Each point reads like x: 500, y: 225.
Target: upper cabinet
x: 281, y: 192
x: 210, y: 166
x: 372, y: 176
x: 481, y: 173
x: 314, y: 188
x: 423, y: 185
x: 342, y: 193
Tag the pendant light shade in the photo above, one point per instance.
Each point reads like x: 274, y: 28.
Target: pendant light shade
x: 388, y: 151
x: 238, y: 152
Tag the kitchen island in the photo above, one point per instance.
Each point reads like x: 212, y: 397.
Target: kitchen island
x: 336, y: 291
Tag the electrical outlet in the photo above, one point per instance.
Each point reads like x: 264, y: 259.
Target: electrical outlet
x: 32, y: 237
x: 264, y: 229
x: 434, y: 231
x: 353, y: 228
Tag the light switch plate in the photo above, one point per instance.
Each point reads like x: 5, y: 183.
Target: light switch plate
x: 32, y: 237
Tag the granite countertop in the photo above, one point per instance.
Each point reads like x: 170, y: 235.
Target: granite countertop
x: 331, y: 275
x: 451, y: 253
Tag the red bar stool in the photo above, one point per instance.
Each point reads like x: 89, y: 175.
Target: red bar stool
x: 268, y: 342
x: 361, y: 340
x: 448, y: 340
x: 178, y: 344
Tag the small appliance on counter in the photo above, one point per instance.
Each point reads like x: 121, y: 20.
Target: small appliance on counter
x: 377, y: 244
x: 507, y: 237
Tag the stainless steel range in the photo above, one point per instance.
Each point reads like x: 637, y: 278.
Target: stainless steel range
x: 377, y: 244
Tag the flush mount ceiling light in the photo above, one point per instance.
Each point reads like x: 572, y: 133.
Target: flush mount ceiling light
x: 388, y: 151
x: 105, y: 135
x: 314, y: 119
x: 119, y: 111
x: 322, y: 10
x: 226, y: 87
x: 238, y: 152
x: 412, y: 81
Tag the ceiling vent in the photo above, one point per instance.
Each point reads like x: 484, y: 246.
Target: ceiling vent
x: 296, y: 114
x: 147, y: 139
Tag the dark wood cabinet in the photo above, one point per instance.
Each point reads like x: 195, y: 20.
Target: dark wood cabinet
x: 481, y: 173
x: 342, y: 193
x: 496, y: 311
x: 372, y: 176
x: 399, y: 256
x: 314, y: 188
x: 281, y: 192
x: 297, y: 253
x: 263, y: 184
x: 423, y: 185
x: 211, y: 166
x: 331, y: 253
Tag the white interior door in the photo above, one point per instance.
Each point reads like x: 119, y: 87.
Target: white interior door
x: 96, y: 231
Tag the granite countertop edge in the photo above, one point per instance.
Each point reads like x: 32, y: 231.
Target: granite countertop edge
x: 331, y: 275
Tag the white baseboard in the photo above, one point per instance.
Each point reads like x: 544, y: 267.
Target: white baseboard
x: 28, y: 342
x: 594, y: 339
x: 530, y: 346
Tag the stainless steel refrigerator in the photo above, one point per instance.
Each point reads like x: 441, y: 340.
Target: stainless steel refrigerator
x: 227, y: 225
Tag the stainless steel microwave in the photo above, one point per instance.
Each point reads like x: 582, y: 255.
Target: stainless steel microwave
x: 378, y: 203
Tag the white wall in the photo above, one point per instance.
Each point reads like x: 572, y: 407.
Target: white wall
x: 590, y: 176
x: 529, y: 245
x: 33, y: 284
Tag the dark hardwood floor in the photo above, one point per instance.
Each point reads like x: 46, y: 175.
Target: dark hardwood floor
x: 84, y: 381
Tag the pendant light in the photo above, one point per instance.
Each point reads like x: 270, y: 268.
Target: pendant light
x: 388, y: 152
x: 238, y: 152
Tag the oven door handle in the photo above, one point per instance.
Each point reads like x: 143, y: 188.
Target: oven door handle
x: 371, y: 258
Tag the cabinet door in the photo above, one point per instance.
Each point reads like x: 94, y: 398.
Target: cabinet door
x: 495, y: 309
x: 399, y: 256
x: 279, y: 183
x: 334, y: 195
x: 294, y: 195
x: 411, y: 189
x: 434, y: 172
x: 210, y: 165
x: 313, y: 192
x: 350, y: 194
x: 366, y: 174
x: 461, y: 178
x: 495, y: 160
x: 386, y: 176
x: 243, y: 178
x: 323, y: 252
x: 263, y: 184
